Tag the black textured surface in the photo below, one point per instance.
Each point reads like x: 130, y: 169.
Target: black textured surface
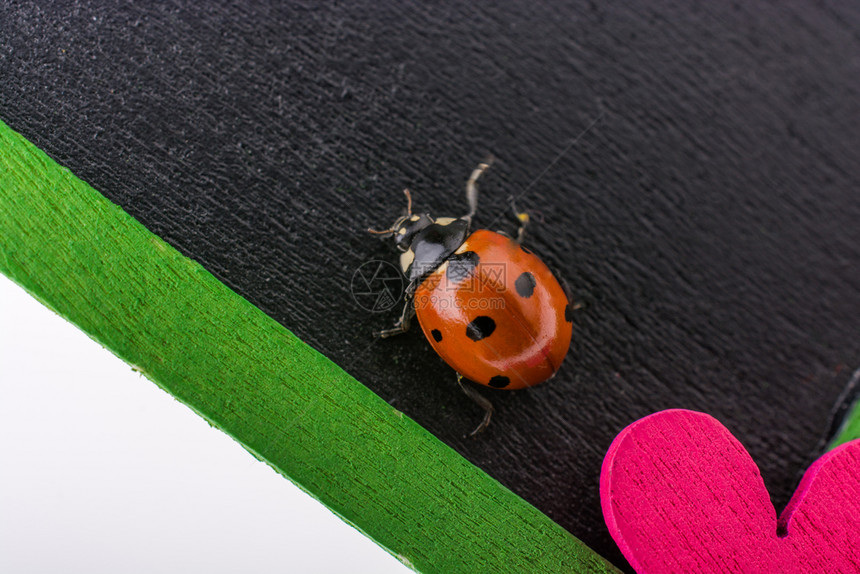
x: 708, y: 222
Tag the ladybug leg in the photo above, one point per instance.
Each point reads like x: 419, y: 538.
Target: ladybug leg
x: 472, y: 187
x: 481, y: 401
x: 522, y: 218
x: 402, y: 324
x: 566, y: 288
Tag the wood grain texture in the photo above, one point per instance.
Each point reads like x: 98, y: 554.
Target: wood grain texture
x: 708, y: 223
x: 287, y: 404
x: 681, y: 494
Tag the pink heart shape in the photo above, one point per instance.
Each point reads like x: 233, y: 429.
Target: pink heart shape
x: 681, y: 494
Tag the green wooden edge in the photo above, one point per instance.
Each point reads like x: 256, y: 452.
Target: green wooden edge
x: 287, y: 404
x: 850, y: 428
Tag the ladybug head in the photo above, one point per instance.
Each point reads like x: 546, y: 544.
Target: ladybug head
x: 425, y: 243
x: 407, y: 228
x: 404, y: 229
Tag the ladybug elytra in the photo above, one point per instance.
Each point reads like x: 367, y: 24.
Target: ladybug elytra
x: 490, y: 308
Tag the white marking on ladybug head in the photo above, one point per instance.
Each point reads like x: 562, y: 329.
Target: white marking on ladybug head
x: 406, y: 259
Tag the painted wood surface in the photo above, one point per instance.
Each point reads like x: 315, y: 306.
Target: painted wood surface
x: 707, y: 222
x: 287, y: 404
x: 846, y: 416
x: 681, y: 494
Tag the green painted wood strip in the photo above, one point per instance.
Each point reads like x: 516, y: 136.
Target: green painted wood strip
x: 850, y: 428
x: 290, y: 406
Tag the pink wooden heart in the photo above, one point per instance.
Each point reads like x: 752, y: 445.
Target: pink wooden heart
x: 681, y: 494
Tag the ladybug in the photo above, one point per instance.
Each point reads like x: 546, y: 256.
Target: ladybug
x: 489, y: 307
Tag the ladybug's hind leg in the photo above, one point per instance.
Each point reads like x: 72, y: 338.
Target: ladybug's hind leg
x: 481, y: 401
x: 572, y: 306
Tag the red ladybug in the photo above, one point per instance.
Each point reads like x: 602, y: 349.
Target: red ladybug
x: 491, y: 309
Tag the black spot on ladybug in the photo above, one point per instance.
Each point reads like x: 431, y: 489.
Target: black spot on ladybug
x: 568, y: 313
x: 481, y: 328
x: 499, y: 382
x: 461, y: 266
x: 437, y: 335
x: 525, y: 284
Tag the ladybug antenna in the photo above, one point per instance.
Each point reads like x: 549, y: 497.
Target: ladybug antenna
x: 472, y: 187
x: 400, y: 220
x: 408, y: 202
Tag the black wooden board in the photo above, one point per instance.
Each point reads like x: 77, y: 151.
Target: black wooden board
x: 708, y: 220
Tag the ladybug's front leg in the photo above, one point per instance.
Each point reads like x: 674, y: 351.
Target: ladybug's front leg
x: 522, y: 218
x: 402, y: 324
x: 481, y: 401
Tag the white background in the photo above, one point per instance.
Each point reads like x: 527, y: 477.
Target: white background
x: 101, y: 471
